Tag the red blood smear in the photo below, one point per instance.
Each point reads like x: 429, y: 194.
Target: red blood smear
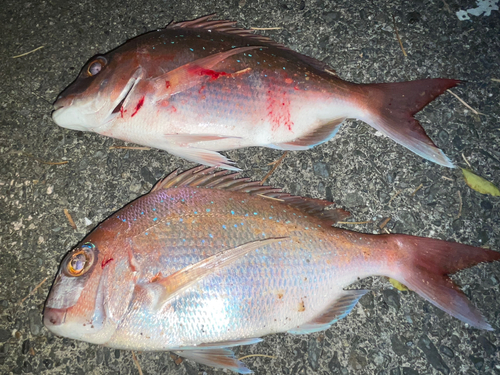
x: 278, y: 109
x: 138, y: 106
x: 105, y: 262
x: 122, y: 111
x: 208, y: 72
x: 167, y: 84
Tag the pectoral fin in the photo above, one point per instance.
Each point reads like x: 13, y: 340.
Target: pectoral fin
x: 193, y: 73
x: 186, y: 277
x: 338, y: 310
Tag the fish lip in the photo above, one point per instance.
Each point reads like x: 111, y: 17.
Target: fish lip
x: 54, y: 317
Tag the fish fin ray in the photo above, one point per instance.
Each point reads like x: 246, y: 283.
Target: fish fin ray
x: 221, y: 358
x: 317, y: 136
x: 186, y: 277
x: 203, y: 177
x: 191, y: 73
x: 394, y: 105
x: 426, y: 265
x: 203, y: 156
x: 229, y: 27
x: 222, y: 344
x: 338, y: 310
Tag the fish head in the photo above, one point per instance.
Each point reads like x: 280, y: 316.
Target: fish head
x: 95, y: 98
x: 92, y: 289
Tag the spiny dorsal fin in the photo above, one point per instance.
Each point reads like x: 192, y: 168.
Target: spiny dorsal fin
x: 208, y: 178
x: 229, y: 27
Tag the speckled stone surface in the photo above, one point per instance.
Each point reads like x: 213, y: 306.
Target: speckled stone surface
x: 389, y: 332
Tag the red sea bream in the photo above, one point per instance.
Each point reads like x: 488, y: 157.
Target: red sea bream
x: 198, y: 87
x: 207, y: 261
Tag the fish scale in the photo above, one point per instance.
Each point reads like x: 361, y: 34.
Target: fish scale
x: 207, y: 261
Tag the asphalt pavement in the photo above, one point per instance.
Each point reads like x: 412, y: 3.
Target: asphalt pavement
x: 45, y: 169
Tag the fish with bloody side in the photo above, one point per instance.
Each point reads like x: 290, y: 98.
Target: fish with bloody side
x: 208, y: 260
x: 198, y: 87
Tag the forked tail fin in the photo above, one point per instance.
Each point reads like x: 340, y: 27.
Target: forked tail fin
x: 391, y: 107
x: 424, y: 265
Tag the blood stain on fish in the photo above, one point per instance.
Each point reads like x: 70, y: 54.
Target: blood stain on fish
x: 105, y: 262
x: 122, y: 111
x: 138, y: 106
x: 167, y: 84
x: 207, y: 72
x: 278, y: 109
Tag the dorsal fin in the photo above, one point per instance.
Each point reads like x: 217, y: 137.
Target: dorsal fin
x: 229, y: 27
x: 208, y: 178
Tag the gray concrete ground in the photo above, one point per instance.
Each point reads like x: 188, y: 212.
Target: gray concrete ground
x: 390, y: 332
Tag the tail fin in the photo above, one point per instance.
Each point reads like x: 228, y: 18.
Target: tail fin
x: 425, y: 264
x: 392, y: 106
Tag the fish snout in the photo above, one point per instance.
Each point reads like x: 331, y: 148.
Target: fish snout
x: 54, y: 317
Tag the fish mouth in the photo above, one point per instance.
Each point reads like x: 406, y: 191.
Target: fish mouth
x: 54, y: 317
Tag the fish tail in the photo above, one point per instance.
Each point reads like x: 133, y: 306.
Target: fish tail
x: 390, y: 108
x: 423, y: 265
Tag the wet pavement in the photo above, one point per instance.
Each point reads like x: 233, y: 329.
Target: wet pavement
x: 389, y: 332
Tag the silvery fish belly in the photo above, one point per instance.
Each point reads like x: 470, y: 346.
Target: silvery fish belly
x: 208, y: 260
x: 201, y: 86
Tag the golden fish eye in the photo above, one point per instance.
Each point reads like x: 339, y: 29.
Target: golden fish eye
x: 96, y: 66
x: 80, y: 261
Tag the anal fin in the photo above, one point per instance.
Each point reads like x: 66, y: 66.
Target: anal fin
x: 203, y: 156
x: 338, y: 310
x: 221, y: 358
x: 319, y: 135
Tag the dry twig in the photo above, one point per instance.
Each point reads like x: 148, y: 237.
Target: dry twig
x: 397, y: 36
x: 256, y: 355
x: 70, y: 219
x: 130, y: 148
x: 265, y: 28
x: 394, y: 196
x: 33, y: 291
x: 460, y: 204
x: 495, y: 80
x: 464, y: 103
x: 384, y: 222
x: 276, y: 165
x: 417, y: 189
x: 272, y: 198
x: 134, y: 358
x: 466, y: 160
x: 27, y: 53
x: 355, y: 222
x: 447, y: 178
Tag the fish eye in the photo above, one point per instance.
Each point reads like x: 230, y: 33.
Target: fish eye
x: 80, y: 260
x: 96, y: 66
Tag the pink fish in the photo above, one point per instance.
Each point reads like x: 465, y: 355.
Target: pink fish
x: 198, y: 87
x: 207, y: 261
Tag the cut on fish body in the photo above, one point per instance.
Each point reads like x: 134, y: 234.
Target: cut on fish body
x: 206, y: 261
x: 205, y: 77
